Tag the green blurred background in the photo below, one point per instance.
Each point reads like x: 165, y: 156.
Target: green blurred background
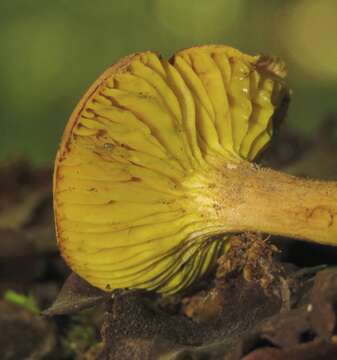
x: 51, y: 51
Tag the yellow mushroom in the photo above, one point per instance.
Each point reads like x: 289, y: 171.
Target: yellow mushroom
x: 155, y: 166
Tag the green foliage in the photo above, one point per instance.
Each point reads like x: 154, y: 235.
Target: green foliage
x: 51, y: 51
x: 27, y: 302
x: 79, y: 336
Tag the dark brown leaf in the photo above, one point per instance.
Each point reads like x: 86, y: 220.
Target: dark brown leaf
x: 76, y: 295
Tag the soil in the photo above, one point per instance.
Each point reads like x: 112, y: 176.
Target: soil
x: 270, y: 298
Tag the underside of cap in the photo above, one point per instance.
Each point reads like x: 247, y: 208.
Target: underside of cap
x: 137, y: 149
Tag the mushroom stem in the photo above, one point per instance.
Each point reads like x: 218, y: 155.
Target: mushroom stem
x: 256, y: 199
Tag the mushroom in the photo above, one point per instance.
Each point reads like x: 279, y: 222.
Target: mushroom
x: 155, y: 169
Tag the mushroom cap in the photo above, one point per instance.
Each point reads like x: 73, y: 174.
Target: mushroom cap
x: 137, y: 155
